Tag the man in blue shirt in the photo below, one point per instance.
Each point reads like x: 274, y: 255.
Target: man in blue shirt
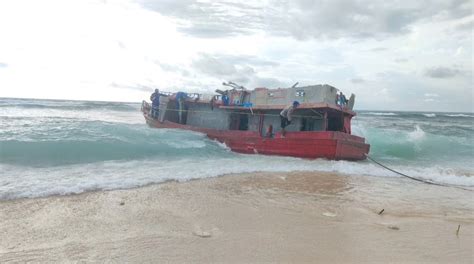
x: 180, y: 98
x: 155, y: 103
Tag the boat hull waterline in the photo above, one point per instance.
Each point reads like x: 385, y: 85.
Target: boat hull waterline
x: 331, y: 145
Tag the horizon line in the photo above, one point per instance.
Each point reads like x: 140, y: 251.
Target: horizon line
x: 137, y: 102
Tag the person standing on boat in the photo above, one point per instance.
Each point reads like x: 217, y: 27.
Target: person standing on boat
x: 286, y: 114
x: 155, y: 103
x: 343, y: 100
x: 180, y: 99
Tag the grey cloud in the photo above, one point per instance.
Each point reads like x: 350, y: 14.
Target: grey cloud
x: 214, y: 66
x: 466, y: 26
x: 441, y: 72
x: 219, y: 68
x: 241, y: 80
x: 211, y: 19
x: 268, y: 82
x: 456, y: 8
x: 357, y: 80
x: 226, y: 65
x: 334, y: 19
x: 305, y: 18
x: 239, y: 69
x: 246, y: 59
x: 172, y: 68
x: 209, y: 30
x: 362, y: 19
x: 137, y: 86
x: 398, y: 20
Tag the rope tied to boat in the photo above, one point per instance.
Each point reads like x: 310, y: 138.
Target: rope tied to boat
x: 419, y: 179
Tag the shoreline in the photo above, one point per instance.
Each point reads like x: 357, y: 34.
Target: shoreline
x: 253, y: 217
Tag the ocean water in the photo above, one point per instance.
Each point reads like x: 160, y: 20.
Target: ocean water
x: 62, y: 147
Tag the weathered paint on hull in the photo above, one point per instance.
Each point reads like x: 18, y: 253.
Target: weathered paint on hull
x: 316, y: 144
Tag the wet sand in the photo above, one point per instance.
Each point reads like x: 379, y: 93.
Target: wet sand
x: 262, y: 217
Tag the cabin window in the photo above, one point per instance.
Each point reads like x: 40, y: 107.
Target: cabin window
x: 335, y: 123
x: 307, y: 124
x: 239, y: 121
x: 244, y: 122
x: 300, y: 93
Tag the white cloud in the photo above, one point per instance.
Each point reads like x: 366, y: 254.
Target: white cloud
x: 305, y: 19
x: 403, y: 52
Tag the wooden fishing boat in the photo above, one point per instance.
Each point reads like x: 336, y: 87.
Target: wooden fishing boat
x: 248, y: 121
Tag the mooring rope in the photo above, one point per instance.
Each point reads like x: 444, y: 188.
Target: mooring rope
x: 418, y: 179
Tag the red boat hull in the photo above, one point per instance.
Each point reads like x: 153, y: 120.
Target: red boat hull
x: 311, y: 144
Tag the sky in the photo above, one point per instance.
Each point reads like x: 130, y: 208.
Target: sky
x: 394, y: 55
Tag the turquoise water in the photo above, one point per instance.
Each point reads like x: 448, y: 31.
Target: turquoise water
x: 60, y: 147
x: 419, y: 139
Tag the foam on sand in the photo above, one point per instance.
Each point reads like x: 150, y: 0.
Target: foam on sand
x: 245, y: 218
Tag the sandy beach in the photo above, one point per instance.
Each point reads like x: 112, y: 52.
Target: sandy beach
x: 297, y: 217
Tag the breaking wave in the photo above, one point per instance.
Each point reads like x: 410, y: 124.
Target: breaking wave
x: 380, y: 114
x: 71, y: 147
x: 89, y: 142
x: 109, y: 175
x: 458, y: 115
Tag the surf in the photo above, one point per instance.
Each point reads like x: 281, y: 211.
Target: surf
x: 65, y: 149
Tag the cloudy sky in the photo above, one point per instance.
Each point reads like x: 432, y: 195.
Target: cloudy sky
x: 394, y: 55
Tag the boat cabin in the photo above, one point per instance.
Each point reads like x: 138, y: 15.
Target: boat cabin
x: 259, y: 110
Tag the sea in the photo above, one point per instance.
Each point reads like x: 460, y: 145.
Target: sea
x: 59, y: 147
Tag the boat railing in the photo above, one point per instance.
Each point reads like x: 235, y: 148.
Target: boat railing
x: 145, y: 107
x: 166, y: 93
x: 193, y: 96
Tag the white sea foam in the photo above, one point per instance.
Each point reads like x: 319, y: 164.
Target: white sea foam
x: 222, y: 145
x: 380, y: 114
x: 430, y: 115
x: 127, y: 117
x: 416, y: 135
x: 17, y: 182
x: 458, y: 115
x: 97, y: 136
